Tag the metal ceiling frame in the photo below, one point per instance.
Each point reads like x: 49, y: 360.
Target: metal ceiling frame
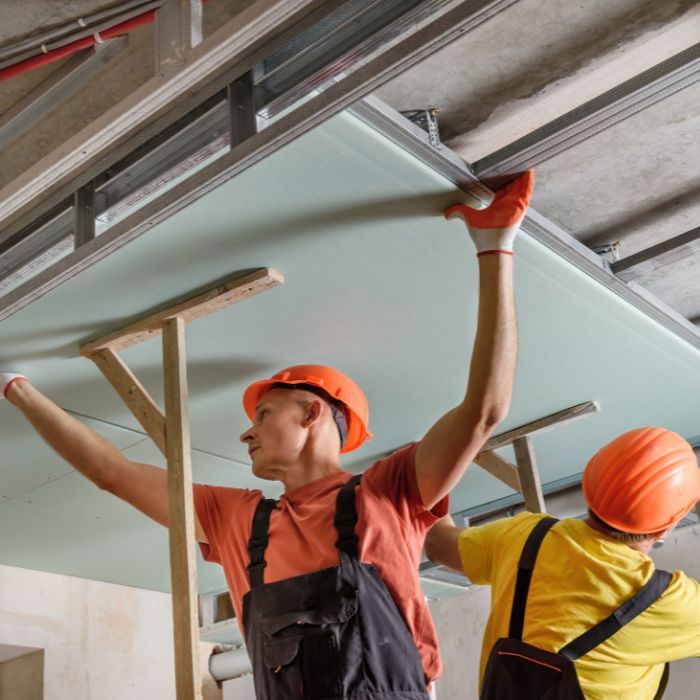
x: 596, y: 115
x: 449, y: 20
x: 656, y: 256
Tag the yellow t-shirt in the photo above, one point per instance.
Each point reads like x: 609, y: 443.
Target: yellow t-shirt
x: 580, y: 577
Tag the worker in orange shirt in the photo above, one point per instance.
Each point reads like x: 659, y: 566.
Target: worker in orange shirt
x: 324, y: 580
x: 577, y: 607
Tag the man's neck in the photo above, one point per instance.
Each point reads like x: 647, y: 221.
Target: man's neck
x: 644, y: 546
x: 305, y: 473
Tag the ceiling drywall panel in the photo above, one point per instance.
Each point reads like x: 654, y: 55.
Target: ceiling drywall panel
x: 377, y: 283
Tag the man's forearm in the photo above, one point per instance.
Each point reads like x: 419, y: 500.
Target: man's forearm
x: 81, y: 447
x: 492, y: 368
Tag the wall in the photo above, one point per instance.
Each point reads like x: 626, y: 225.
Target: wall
x: 460, y: 621
x: 99, y: 640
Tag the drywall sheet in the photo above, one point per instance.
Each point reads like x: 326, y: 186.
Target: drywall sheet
x: 377, y: 284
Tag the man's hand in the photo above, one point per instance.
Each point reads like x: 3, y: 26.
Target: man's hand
x: 8, y: 380
x: 493, y: 229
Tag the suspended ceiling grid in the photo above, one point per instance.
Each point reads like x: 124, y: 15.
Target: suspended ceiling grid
x: 377, y: 283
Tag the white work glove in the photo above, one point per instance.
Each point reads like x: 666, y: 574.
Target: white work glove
x: 493, y: 229
x: 7, y: 379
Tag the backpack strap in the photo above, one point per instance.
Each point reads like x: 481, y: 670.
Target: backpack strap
x: 648, y: 594
x: 525, y: 568
x: 257, y: 544
x: 346, y: 519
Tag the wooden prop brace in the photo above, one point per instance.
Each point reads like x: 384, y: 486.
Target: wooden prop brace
x: 524, y: 478
x: 171, y: 433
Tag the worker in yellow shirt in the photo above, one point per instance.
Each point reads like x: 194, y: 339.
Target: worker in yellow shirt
x: 577, y: 607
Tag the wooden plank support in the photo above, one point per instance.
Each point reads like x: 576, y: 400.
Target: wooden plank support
x: 495, y: 465
x: 205, y: 304
x: 133, y: 394
x: 183, y: 564
x: 525, y: 477
x: 542, y: 425
x: 171, y: 434
x: 529, y: 475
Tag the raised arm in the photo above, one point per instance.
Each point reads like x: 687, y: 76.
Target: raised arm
x: 142, y: 485
x: 450, y: 446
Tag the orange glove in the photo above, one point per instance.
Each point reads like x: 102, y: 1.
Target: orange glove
x: 7, y: 379
x: 493, y: 229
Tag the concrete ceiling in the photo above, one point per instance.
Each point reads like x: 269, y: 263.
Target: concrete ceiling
x: 377, y: 283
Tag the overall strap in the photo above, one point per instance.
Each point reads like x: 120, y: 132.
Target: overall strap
x: 525, y: 568
x: 346, y: 519
x: 648, y: 594
x: 257, y: 544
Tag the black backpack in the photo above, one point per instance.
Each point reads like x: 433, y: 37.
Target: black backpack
x: 517, y: 670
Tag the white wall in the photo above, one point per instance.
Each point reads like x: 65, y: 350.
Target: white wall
x: 100, y: 641
x: 461, y: 620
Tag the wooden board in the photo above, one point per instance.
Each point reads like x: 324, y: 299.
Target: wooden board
x: 215, y: 299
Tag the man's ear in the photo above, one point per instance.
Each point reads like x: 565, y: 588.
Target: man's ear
x: 312, y: 412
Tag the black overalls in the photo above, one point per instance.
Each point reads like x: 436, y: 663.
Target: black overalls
x: 517, y: 670
x: 329, y: 634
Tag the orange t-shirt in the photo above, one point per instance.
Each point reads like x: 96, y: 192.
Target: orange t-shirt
x: 392, y: 523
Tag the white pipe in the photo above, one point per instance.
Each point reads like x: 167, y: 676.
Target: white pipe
x: 229, y: 664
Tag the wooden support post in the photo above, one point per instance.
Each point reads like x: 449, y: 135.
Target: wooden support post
x: 529, y: 475
x: 133, y: 394
x: 542, y: 425
x: 205, y: 304
x: 525, y: 478
x: 183, y: 565
x: 500, y: 468
x: 171, y: 435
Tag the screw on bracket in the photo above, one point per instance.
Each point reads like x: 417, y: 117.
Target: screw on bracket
x: 611, y: 251
x: 427, y: 120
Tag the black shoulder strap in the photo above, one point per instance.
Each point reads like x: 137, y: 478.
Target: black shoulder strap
x: 257, y: 544
x: 346, y: 519
x: 648, y: 594
x: 525, y: 568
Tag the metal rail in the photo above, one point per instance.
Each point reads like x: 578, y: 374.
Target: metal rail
x: 370, y: 67
x: 596, y: 115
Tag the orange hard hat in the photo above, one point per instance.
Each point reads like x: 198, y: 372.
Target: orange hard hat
x: 643, y: 481
x: 340, y: 388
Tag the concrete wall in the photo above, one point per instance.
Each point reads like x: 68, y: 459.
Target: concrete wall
x: 461, y: 620
x: 99, y: 640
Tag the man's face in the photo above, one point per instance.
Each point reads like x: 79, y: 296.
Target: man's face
x: 277, y: 435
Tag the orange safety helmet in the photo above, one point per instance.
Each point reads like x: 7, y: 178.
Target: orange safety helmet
x: 643, y: 481
x: 334, y: 383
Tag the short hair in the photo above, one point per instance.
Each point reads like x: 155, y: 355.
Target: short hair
x: 621, y: 535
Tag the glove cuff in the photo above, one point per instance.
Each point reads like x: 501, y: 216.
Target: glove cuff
x: 496, y: 250
x: 8, y: 380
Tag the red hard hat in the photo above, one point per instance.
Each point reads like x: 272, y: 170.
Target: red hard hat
x: 334, y: 383
x: 643, y: 481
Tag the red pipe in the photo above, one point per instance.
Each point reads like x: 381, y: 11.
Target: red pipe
x: 43, y: 59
